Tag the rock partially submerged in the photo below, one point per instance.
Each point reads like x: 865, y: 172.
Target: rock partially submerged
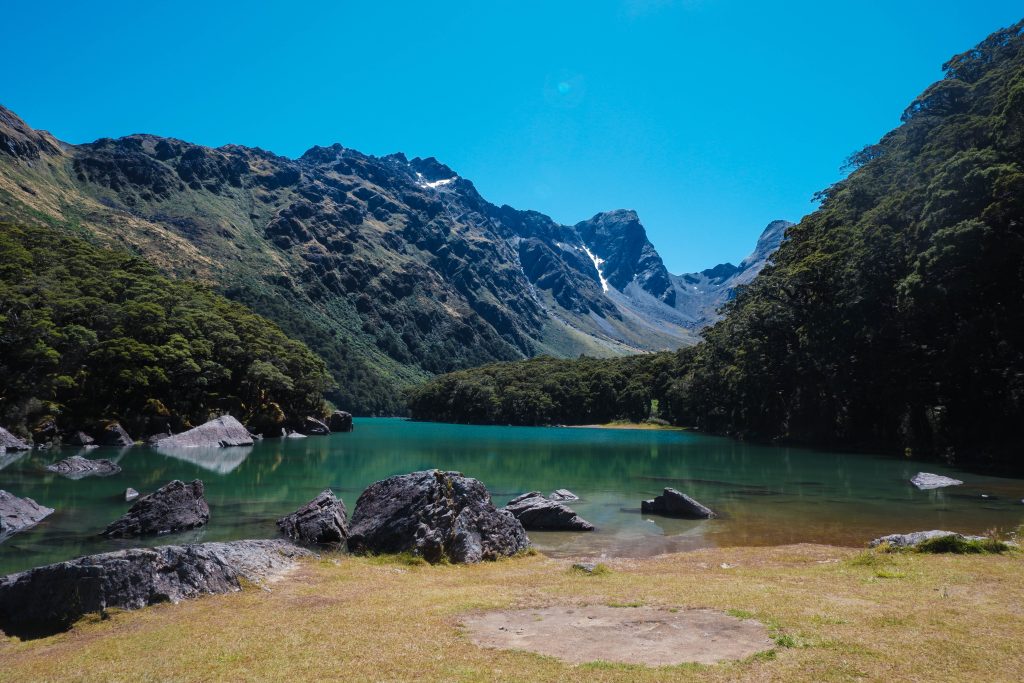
x: 77, y: 467
x: 130, y: 494
x: 437, y: 515
x: 535, y: 512
x: 18, y: 514
x: 114, y: 435
x: 563, y: 494
x: 340, y: 421
x: 311, y: 425
x: 50, y: 599
x: 81, y: 439
x: 321, y: 521
x: 926, y: 481
x: 11, y: 442
x: 176, y: 506
x: 223, y: 432
x: 916, y: 538
x: 672, y: 503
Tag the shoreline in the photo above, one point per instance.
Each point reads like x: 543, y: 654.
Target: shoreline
x: 639, y: 426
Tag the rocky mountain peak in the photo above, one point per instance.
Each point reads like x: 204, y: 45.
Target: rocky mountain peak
x: 767, y: 243
x: 19, y: 140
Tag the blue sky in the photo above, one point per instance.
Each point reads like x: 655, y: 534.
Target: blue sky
x: 710, y: 118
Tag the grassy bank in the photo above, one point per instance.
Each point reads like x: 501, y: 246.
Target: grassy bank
x: 834, y: 614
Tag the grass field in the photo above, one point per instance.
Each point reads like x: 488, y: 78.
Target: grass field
x: 834, y: 615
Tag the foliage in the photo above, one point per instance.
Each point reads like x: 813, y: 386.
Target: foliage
x: 89, y: 334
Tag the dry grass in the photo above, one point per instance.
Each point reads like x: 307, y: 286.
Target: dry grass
x: 834, y: 614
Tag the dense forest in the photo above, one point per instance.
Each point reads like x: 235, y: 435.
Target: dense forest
x: 893, y: 316
x: 89, y: 334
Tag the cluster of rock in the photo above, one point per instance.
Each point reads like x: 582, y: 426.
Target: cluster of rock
x: 535, y: 512
x: 672, y: 503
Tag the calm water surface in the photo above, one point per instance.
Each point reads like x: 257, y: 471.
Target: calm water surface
x: 765, y: 495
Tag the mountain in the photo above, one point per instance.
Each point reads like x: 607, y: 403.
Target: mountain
x: 391, y: 269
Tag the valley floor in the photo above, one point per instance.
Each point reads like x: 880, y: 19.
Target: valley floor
x: 834, y: 614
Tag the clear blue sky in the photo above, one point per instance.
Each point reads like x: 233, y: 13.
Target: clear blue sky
x: 708, y: 117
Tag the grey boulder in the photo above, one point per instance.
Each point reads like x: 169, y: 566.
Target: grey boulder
x: 17, y: 514
x: 77, y: 467
x: 915, y: 538
x: 926, y: 481
x: 436, y: 515
x: 672, y: 503
x: 563, y: 494
x: 177, y: 506
x: 130, y: 494
x: 311, y: 425
x: 114, y: 435
x: 340, y: 421
x: 49, y: 599
x: 535, y: 512
x: 80, y: 439
x: 11, y: 442
x: 224, y: 432
x: 321, y: 521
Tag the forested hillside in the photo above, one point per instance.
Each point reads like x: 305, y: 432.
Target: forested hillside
x: 893, y: 316
x: 90, y: 334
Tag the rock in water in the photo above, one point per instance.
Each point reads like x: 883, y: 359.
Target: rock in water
x: 130, y: 494
x: 535, y: 512
x: 176, y: 506
x: 81, y: 439
x: 225, y: 431
x: 314, y: 426
x: 340, y: 421
x: 17, y: 514
x: 563, y: 494
x: 11, y: 442
x: 926, y: 481
x: 77, y: 467
x: 321, y: 521
x: 114, y: 435
x: 437, y: 515
x: 50, y: 599
x: 672, y: 503
x: 917, y: 537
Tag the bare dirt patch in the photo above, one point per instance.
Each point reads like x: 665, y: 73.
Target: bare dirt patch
x: 629, y: 635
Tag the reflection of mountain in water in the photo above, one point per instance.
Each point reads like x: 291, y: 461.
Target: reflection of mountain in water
x: 216, y: 459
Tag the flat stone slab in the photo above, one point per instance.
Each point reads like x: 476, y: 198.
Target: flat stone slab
x: 653, y: 636
x: 927, y: 481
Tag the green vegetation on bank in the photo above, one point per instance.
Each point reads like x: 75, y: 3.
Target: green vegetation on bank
x: 89, y: 334
x: 892, y: 317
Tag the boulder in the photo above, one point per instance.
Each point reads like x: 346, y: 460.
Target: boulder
x: 80, y: 439
x: 311, y: 425
x: 926, y: 481
x: 45, y: 431
x: 223, y: 432
x: 917, y: 537
x: 114, y: 435
x: 17, y: 514
x: 321, y: 521
x: 130, y: 494
x: 154, y: 439
x: 177, y: 506
x: 436, y: 515
x: 11, y: 442
x: 49, y: 599
x: 535, y: 512
x: 672, y: 503
x: 563, y: 494
x: 77, y: 467
x: 340, y: 421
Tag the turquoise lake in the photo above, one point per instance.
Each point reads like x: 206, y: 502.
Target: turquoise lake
x: 765, y: 495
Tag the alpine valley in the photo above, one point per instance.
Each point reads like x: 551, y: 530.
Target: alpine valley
x: 390, y: 269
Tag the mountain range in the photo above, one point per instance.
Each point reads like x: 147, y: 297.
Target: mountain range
x: 391, y: 269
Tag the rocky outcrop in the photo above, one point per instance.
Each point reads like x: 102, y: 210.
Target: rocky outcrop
x: 311, y: 425
x: 50, y: 599
x: 672, y: 503
x: 11, y: 442
x: 115, y: 435
x: 223, y: 432
x: 17, y: 514
x: 77, y: 467
x: 535, y: 512
x: 927, y: 481
x: 321, y: 521
x: 340, y: 421
x: 436, y: 515
x: 176, y: 506
x: 915, y: 538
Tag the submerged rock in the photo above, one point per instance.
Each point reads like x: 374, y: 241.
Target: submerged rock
x: 321, y: 521
x: 311, y: 425
x: 18, y: 514
x: 563, y: 494
x: 535, y: 512
x: 77, y: 467
x: 50, y: 599
x: 917, y: 537
x: 130, y: 494
x: 176, y: 506
x: 926, y: 481
x: 672, y: 503
x: 11, y: 442
x: 340, y: 421
x: 223, y: 432
x: 114, y: 435
x: 437, y: 515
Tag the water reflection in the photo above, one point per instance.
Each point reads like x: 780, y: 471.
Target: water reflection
x: 218, y: 460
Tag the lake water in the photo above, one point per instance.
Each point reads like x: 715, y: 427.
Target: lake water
x: 765, y: 495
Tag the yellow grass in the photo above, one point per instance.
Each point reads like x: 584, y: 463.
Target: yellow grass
x: 836, y: 614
